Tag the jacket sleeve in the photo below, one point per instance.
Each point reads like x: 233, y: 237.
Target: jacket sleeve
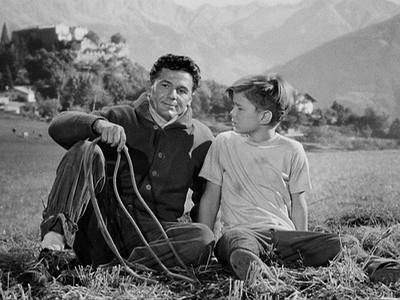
x: 199, y: 183
x: 70, y: 127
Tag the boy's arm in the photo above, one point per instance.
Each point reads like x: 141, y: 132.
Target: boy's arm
x: 299, y: 211
x: 209, y: 204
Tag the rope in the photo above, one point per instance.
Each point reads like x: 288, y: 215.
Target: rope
x: 88, y: 158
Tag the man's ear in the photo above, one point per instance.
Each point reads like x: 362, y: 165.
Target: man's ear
x: 266, y: 117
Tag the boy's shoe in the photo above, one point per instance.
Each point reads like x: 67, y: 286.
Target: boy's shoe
x: 384, y: 270
x: 241, y: 260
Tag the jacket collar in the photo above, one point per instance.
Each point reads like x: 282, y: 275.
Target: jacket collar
x: 184, y: 121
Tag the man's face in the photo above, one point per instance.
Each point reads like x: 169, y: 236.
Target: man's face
x: 245, y: 117
x: 171, y: 92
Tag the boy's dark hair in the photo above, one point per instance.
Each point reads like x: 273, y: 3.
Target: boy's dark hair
x: 265, y: 92
x: 176, y: 63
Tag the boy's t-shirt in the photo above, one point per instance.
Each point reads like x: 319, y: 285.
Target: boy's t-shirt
x: 256, y: 179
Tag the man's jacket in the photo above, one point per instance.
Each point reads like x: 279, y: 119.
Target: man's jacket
x: 166, y: 161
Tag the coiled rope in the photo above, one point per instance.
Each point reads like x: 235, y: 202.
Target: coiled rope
x: 88, y: 158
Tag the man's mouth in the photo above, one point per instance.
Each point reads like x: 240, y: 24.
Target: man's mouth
x: 169, y: 105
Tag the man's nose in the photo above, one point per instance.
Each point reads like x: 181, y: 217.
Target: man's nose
x: 173, y: 94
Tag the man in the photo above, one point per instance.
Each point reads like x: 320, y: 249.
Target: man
x: 167, y: 148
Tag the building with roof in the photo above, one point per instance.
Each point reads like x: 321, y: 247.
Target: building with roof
x: 25, y: 92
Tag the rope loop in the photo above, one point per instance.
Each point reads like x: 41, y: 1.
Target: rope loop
x: 88, y: 158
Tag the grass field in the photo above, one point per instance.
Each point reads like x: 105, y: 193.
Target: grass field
x: 360, y: 187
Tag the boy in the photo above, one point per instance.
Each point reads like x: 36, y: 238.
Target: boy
x: 259, y: 179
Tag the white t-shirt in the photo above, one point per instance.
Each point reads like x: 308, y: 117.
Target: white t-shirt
x: 256, y: 179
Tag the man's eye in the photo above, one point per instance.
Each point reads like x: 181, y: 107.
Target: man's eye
x: 182, y: 91
x: 164, y: 84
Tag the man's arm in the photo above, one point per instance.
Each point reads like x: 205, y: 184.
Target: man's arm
x: 299, y: 211
x: 71, y: 127
x: 209, y: 204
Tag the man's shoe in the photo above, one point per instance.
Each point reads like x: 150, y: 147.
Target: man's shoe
x: 242, y: 261
x: 384, y: 270
x: 50, y: 264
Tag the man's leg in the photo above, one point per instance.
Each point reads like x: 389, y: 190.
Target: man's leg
x: 192, y: 241
x: 307, y: 247
x: 69, y: 195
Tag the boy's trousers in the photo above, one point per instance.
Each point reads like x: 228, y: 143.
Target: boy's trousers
x: 289, y: 248
x: 70, y: 212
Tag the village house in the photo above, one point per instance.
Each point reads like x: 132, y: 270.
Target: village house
x: 27, y: 41
x: 25, y: 92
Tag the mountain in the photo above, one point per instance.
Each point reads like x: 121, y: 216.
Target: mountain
x: 227, y: 42
x: 359, y: 70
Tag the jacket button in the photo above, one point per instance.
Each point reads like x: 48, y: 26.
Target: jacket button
x: 148, y: 187
x: 154, y: 173
x: 160, y: 155
x: 155, y: 127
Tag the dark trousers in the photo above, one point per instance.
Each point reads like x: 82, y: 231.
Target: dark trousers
x: 70, y: 212
x: 289, y: 248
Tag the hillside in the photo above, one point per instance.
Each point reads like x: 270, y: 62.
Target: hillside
x: 228, y: 42
x: 359, y: 70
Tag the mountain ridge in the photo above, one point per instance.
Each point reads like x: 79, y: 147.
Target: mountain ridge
x: 358, y: 70
x: 227, y: 42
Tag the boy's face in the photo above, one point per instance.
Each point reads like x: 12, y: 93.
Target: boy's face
x: 245, y: 117
x: 171, y: 93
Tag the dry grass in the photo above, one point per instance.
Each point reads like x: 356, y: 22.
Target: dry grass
x: 355, y: 193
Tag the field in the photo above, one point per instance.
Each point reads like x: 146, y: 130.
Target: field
x: 349, y: 188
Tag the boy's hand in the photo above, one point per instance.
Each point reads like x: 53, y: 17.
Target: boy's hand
x: 110, y: 133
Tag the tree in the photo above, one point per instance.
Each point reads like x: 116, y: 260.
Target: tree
x: 394, y: 129
x: 220, y: 105
x: 377, y: 122
x: 117, y: 39
x: 201, y: 100
x: 47, y: 108
x: 341, y: 112
x: 48, y: 71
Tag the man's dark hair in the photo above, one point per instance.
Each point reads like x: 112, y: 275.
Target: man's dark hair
x: 265, y: 92
x: 176, y: 63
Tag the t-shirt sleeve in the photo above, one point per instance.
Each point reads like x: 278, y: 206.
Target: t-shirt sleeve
x: 212, y: 169
x: 299, y: 179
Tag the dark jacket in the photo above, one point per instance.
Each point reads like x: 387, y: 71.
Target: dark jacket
x: 166, y: 161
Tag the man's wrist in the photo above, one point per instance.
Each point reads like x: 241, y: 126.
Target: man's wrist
x: 95, y: 126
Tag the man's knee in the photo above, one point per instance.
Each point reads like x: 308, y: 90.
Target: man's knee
x: 334, y: 243
x: 204, y: 234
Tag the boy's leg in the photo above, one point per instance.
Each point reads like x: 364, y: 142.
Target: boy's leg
x: 239, y: 248
x: 309, y: 248
x: 192, y: 241
x: 69, y: 195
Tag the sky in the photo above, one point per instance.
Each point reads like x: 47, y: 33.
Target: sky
x: 196, y: 3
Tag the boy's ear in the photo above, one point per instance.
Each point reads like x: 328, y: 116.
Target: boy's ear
x: 266, y: 117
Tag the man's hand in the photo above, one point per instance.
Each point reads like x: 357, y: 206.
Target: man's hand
x: 110, y: 133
